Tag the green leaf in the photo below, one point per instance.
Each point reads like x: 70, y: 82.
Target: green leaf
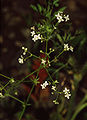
x: 62, y: 9
x: 34, y: 8
x: 60, y: 39
x: 56, y: 5
x: 55, y: 2
x: 39, y: 8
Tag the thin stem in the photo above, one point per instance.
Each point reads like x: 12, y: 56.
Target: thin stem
x: 78, y: 110
x: 22, y: 113
x: 34, y: 55
x: 27, y: 76
x: 49, y: 74
x: 59, y: 69
x: 46, y: 45
x: 57, y: 56
x: 5, y: 76
x: 5, y: 85
x: 25, y: 105
x: 15, y: 98
x: 82, y: 101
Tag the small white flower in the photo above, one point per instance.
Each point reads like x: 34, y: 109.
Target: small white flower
x: 36, y: 37
x: 12, y: 80
x: 53, y: 88
x: 71, y: 48
x: 60, y: 20
x: 66, y: 47
x: 44, y: 85
x: 32, y: 33
x: 67, y: 95
x: 59, y: 17
x: 16, y: 93
x: 43, y: 61
x: 66, y: 90
x: 1, y: 96
x: 25, y: 50
x: 66, y: 18
x: 33, y: 28
x: 21, y: 60
x: 54, y: 101
x: 22, y: 47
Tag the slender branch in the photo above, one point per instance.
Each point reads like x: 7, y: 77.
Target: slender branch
x: 5, y: 76
x: 15, y: 98
x: 78, y: 110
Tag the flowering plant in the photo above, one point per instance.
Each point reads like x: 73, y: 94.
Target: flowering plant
x: 55, y: 41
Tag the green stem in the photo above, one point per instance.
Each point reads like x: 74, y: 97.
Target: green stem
x: 72, y: 101
x: 82, y: 101
x: 25, y: 105
x: 59, y: 69
x: 22, y: 113
x: 49, y: 74
x: 5, y: 76
x: 57, y: 56
x: 15, y: 98
x: 78, y: 110
x: 46, y: 45
x: 26, y: 77
x: 5, y: 85
x: 34, y: 55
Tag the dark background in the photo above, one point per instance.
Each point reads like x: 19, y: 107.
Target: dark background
x: 16, y: 19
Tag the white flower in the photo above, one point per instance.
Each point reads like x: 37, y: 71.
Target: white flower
x: 25, y: 50
x: 49, y: 63
x: 44, y: 85
x: 1, y: 96
x: 43, y: 61
x: 32, y: 33
x: 59, y: 17
x: 54, y: 101
x: 36, y: 37
x: 67, y: 95
x: 71, y: 48
x: 12, y: 80
x: 16, y: 93
x: 66, y: 18
x: 22, y: 47
x: 60, y: 20
x: 21, y: 60
x: 53, y: 88
x: 66, y: 47
x: 66, y: 90
x: 33, y: 28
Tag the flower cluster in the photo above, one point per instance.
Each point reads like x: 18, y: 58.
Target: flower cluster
x: 21, y: 59
x: 33, y: 34
x: 67, y: 48
x: 61, y: 17
x: 25, y: 50
x: 44, y: 85
x: 67, y: 93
